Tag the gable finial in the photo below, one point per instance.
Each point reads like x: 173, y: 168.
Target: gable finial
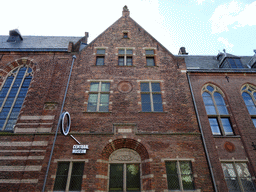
x: 126, y: 11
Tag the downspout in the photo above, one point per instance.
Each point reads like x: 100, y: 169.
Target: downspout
x: 202, y: 133
x: 56, y: 133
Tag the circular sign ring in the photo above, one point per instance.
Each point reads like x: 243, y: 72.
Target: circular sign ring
x: 65, y: 130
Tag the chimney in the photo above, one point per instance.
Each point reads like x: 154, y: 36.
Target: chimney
x: 14, y: 36
x: 182, y: 51
x: 126, y: 12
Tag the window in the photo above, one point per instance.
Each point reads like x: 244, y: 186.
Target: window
x: 98, y: 97
x: 124, y: 171
x: 125, y: 57
x: 150, y: 57
x: 69, y: 176
x: 238, y: 177
x: 124, y: 177
x: 125, y: 35
x: 151, y: 99
x: 100, y: 57
x: 232, y: 63
x: 249, y: 96
x: 12, y: 95
x: 179, y: 175
x: 216, y: 110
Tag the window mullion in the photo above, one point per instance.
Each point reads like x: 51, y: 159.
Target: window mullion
x: 179, y: 175
x: 124, y: 57
x: 8, y: 116
x: 151, y: 97
x: 69, y: 176
x: 238, y: 178
x: 98, y: 102
x: 124, y: 177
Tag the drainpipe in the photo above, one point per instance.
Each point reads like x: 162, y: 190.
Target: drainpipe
x: 56, y: 133
x: 202, y: 133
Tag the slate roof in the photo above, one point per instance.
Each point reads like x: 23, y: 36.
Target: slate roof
x: 204, y: 63
x: 38, y: 43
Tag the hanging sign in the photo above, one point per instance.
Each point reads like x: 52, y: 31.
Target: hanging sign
x: 65, y: 130
x: 79, y: 149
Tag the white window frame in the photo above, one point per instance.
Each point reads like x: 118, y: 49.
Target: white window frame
x: 151, y: 95
x: 99, y: 92
x: 125, y: 55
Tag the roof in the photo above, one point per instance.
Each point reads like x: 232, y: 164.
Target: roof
x: 209, y: 62
x: 38, y: 43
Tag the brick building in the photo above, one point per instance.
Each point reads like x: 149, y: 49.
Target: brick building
x: 223, y: 89
x: 130, y: 105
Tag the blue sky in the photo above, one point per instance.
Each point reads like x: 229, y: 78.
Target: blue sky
x: 204, y: 27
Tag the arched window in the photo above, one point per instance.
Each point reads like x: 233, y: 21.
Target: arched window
x: 124, y: 170
x: 12, y: 95
x: 249, y: 96
x: 216, y: 110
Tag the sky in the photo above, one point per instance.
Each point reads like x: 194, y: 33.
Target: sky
x: 203, y: 27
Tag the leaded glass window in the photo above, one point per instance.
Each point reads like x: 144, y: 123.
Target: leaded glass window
x: 12, y: 95
x: 249, y: 97
x: 125, y: 57
x: 179, y: 175
x: 216, y: 110
x: 69, y: 176
x: 238, y: 177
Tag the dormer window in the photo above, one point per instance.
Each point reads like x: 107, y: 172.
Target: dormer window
x: 232, y: 63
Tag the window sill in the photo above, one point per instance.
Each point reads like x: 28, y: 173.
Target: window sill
x: 226, y: 136
x: 195, y: 190
x: 153, y: 112
x: 99, y: 65
x: 3, y: 132
x: 151, y: 66
x: 125, y: 66
x: 97, y: 112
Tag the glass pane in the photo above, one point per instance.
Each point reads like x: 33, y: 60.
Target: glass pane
x: 146, y: 107
x: 227, y: 126
x: 100, y: 51
x: 92, y: 107
x: 121, y: 61
x: 29, y: 70
x: 145, y: 98
x: 103, y: 108
x: 105, y: 87
x: 129, y: 61
x: 150, y: 61
x: 93, y: 98
x: 232, y: 63
x: 104, y: 98
x: 157, y: 98
x: 149, y: 52
x: 129, y: 51
x: 210, y: 88
x: 133, y: 177
x: 100, y: 60
x: 116, y: 177
x: 94, y: 87
x: 157, y: 102
x: 230, y: 177
x: 219, y: 99
x: 76, y: 177
x: 210, y: 110
x: 222, y: 110
x: 214, y: 126
x: 121, y: 51
x: 254, y: 121
x: 144, y: 87
x: 238, y: 63
x: 172, y: 176
x: 155, y: 87
x: 8, y: 81
x: 187, y: 182
x: 61, y: 177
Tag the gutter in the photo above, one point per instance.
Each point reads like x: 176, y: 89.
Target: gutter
x: 202, y: 133
x: 56, y: 133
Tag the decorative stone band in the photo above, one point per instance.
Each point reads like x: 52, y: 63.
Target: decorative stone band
x: 43, y: 117
x: 18, y: 181
x: 21, y: 157
x: 23, y: 144
x: 147, y: 176
x: 21, y: 168
x: 101, y: 177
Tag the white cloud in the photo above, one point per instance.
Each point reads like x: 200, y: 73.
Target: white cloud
x: 233, y: 14
x: 226, y: 43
